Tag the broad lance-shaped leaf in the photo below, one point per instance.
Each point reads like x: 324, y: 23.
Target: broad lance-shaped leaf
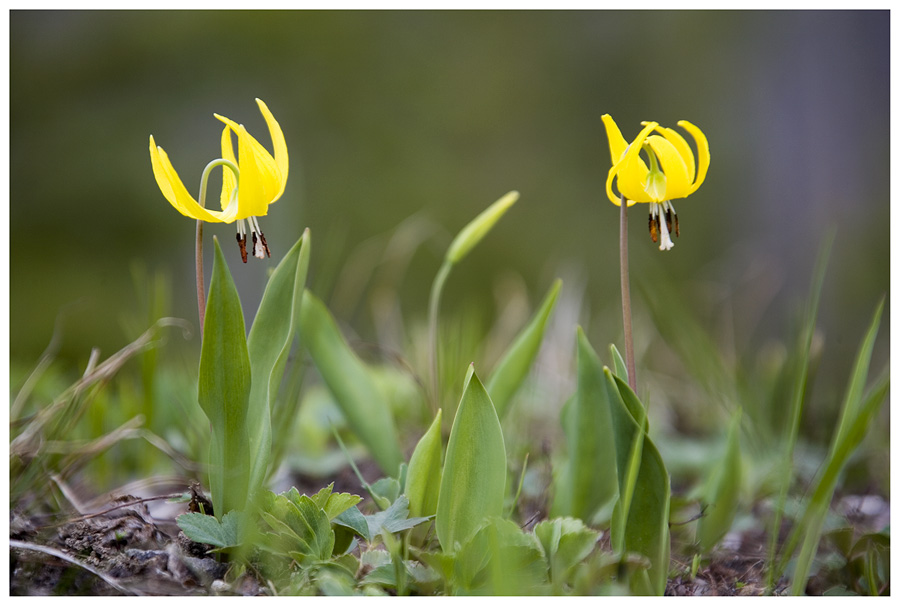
x: 722, y: 490
x: 269, y: 344
x: 423, y: 479
x: 224, y: 389
x: 365, y: 408
x: 641, y: 518
x: 588, y: 480
x: 513, y: 367
x: 474, y: 479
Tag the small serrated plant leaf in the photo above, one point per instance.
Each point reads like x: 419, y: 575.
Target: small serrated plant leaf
x: 202, y: 528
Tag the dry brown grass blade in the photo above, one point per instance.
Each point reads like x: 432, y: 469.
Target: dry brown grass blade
x: 29, y: 442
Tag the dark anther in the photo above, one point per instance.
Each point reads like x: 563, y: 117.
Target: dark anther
x: 669, y: 219
x: 242, y: 242
x: 675, y: 220
x: 262, y: 239
x: 654, y: 228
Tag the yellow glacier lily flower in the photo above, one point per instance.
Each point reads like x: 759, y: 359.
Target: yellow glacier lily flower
x: 254, y: 180
x: 671, y: 173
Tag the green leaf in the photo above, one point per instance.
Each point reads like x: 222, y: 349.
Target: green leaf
x: 335, y: 503
x: 500, y: 559
x: 224, y: 389
x: 473, y: 484
x: 202, y: 528
x: 347, y: 377
x: 566, y: 543
x: 858, y: 377
x: 310, y: 524
x: 641, y: 519
x: 353, y: 519
x: 393, y: 519
x: 269, y: 344
x: 621, y: 369
x: 471, y: 234
x: 722, y: 490
x: 515, y: 364
x: 857, y: 415
x: 795, y: 405
x: 385, y: 490
x: 588, y: 481
x: 423, y: 478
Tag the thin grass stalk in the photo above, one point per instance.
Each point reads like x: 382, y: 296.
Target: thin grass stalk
x: 796, y: 409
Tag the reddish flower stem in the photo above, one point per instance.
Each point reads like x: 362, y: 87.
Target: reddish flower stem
x: 201, y: 290
x: 626, y: 293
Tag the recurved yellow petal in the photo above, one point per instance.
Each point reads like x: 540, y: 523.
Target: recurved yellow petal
x: 684, y: 150
x: 673, y: 165
x: 630, y: 173
x: 229, y: 182
x: 702, y: 152
x: 175, y: 192
x: 261, y: 182
x: 261, y: 179
x: 617, y: 143
x: 278, y: 144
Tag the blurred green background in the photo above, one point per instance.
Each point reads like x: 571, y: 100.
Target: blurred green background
x: 389, y: 114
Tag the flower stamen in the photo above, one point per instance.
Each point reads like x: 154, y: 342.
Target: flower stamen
x: 260, y: 247
x: 242, y: 238
x: 671, y: 217
x: 662, y: 218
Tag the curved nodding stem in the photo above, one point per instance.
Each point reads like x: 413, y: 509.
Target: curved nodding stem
x: 198, y: 251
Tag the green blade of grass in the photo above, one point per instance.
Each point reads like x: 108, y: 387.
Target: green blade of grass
x: 722, y: 490
x: 512, y: 369
x: 856, y: 416
x: 796, y: 405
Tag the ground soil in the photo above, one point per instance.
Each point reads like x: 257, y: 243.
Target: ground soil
x: 125, y: 550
